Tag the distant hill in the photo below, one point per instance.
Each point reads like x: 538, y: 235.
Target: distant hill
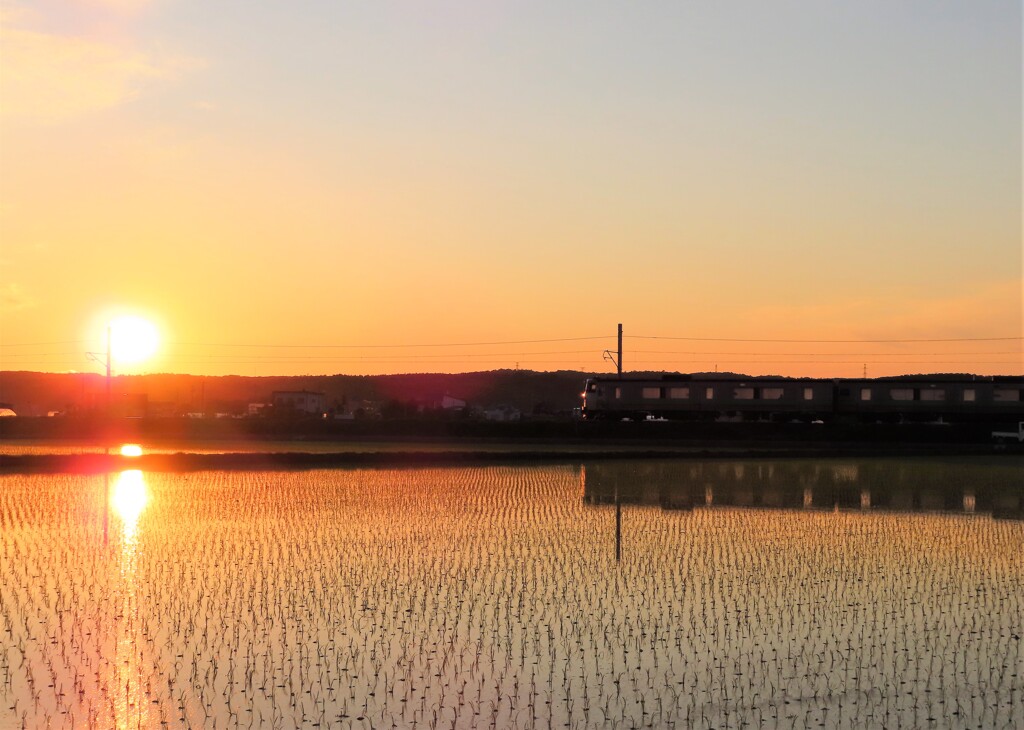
x: 36, y: 394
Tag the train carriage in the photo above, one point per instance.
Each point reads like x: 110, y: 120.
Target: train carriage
x: 904, y: 399
x: 695, y: 398
x: 881, y: 399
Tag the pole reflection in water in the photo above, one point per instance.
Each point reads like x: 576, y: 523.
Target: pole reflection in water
x: 618, y: 528
x: 129, y: 703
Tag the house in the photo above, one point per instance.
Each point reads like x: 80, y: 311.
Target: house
x: 502, y: 413
x: 299, y: 401
x: 449, y: 403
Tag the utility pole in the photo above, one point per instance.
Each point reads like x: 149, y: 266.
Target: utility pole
x: 619, y: 361
x: 109, y: 348
x: 96, y: 358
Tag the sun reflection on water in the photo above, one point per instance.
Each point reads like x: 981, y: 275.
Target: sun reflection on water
x: 129, y: 500
x: 129, y: 703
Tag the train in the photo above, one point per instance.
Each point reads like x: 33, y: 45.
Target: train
x: 733, y: 397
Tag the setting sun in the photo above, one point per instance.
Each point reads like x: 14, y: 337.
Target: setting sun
x: 133, y: 339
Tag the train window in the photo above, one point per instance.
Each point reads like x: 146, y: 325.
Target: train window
x: 618, y: 393
x: 865, y: 393
x: 968, y: 395
x: 933, y: 394
x: 709, y: 393
x: 901, y: 393
x: 808, y: 393
x: 650, y: 393
x: 1006, y: 394
x: 743, y: 393
x: 772, y: 393
x: 679, y: 393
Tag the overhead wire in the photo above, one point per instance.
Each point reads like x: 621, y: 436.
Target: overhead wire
x: 370, y: 346
x: 842, y: 362
x: 39, y: 344
x: 273, y: 352
x: 823, y: 354
x: 819, y: 341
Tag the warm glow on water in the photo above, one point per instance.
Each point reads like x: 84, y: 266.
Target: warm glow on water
x: 129, y: 498
x: 123, y: 677
x: 764, y: 593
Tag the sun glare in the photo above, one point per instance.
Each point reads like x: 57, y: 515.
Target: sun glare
x: 130, y: 496
x: 133, y: 339
x: 131, y: 450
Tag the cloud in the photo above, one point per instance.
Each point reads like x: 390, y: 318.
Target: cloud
x: 118, y: 6
x: 49, y: 77
x: 14, y: 299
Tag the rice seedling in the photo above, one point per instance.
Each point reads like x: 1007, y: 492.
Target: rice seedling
x: 492, y: 597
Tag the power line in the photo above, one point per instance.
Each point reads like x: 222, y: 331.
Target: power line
x: 40, y: 344
x: 345, y: 357
x: 845, y: 362
x: 271, y: 360
x: 737, y: 339
x: 28, y: 355
x: 826, y: 354
x: 357, y: 347
x: 405, y: 356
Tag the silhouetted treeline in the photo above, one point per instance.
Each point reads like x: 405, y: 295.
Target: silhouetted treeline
x: 37, y: 394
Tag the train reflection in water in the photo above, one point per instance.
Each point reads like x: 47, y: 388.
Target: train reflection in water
x: 988, y: 487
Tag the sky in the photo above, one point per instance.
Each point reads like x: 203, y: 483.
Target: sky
x: 810, y: 188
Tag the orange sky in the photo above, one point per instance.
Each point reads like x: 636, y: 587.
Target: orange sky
x: 258, y: 177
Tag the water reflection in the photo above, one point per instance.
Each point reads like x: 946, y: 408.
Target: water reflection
x: 868, y: 485
x: 128, y: 500
x: 122, y: 677
x: 293, y: 598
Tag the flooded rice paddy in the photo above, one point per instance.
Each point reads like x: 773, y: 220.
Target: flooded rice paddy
x: 762, y: 594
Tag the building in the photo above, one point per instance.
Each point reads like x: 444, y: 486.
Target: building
x: 299, y: 401
x: 448, y: 403
x: 502, y: 413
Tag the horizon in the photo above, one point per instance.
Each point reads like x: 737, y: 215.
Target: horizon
x: 626, y: 375
x: 638, y: 373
